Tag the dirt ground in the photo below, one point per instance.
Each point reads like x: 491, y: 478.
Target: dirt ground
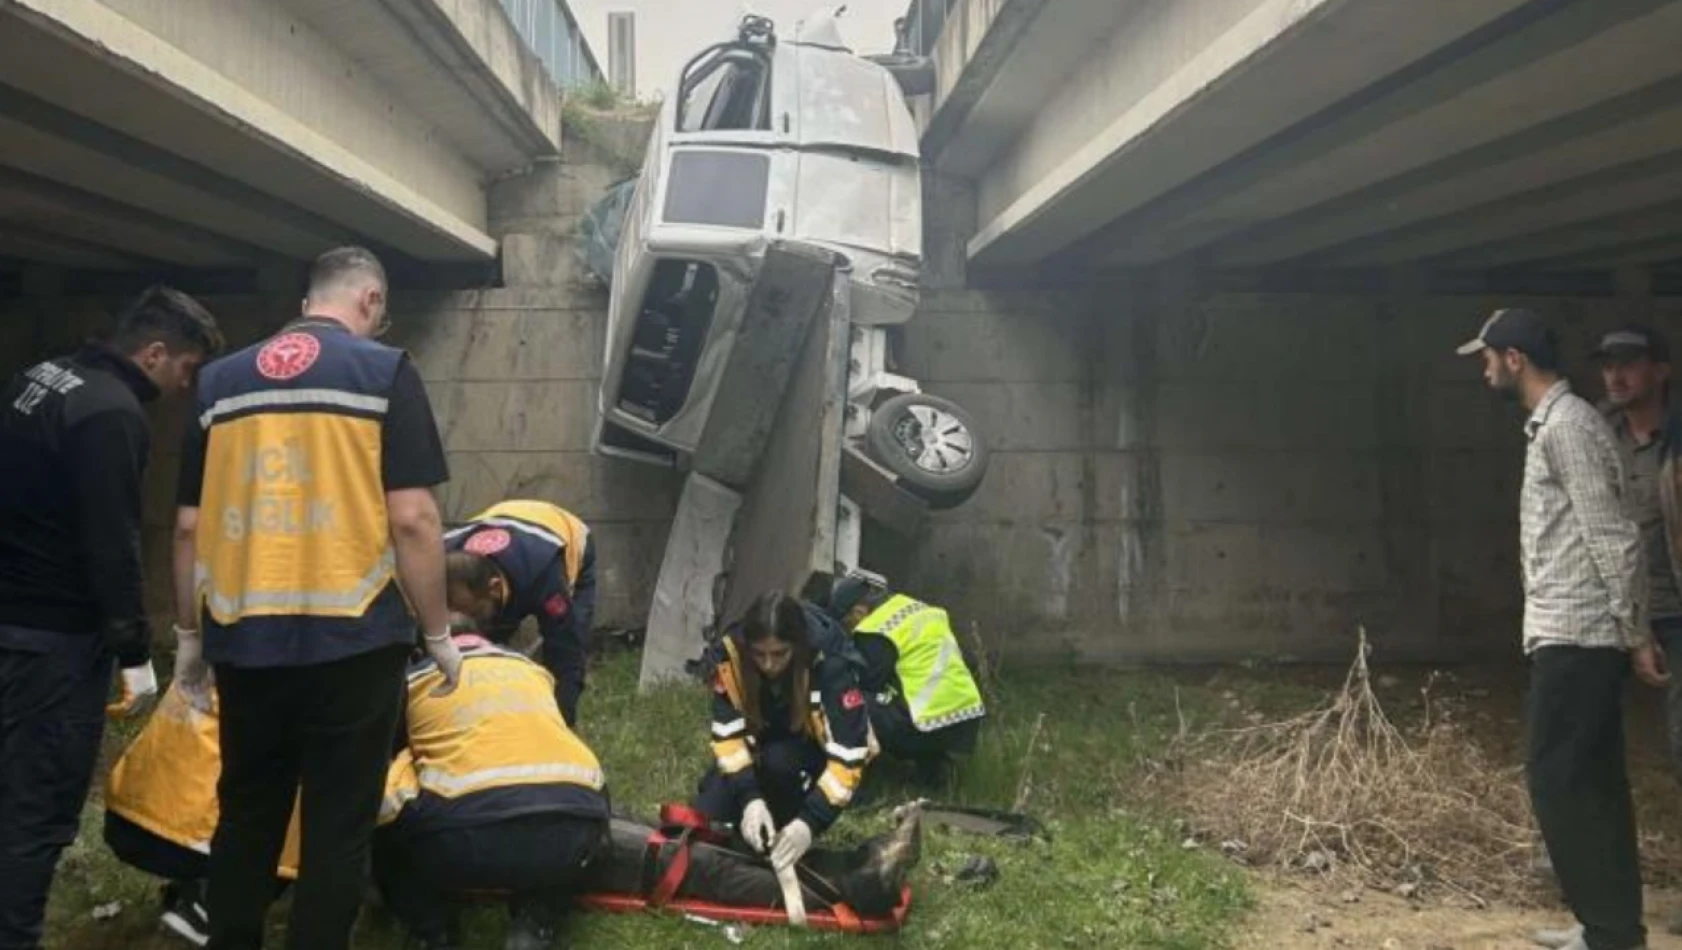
x: 1291, y: 915
x: 1294, y: 912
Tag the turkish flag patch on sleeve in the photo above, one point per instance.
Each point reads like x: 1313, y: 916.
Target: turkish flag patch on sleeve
x: 852, y: 699
x: 556, y: 606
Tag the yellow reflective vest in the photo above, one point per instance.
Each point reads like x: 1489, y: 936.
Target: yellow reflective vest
x: 292, y: 510
x: 166, y: 780
x: 556, y: 523
x: 496, y: 746
x: 939, y: 689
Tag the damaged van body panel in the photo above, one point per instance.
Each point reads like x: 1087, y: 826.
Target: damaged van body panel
x: 767, y: 141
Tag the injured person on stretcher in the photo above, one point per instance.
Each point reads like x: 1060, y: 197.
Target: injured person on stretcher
x: 493, y: 794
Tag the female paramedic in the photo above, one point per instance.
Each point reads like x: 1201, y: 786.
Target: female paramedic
x: 790, y: 734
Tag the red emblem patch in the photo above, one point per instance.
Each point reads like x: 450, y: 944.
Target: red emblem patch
x: 852, y: 699
x: 556, y: 606
x: 288, y: 355
x: 488, y: 542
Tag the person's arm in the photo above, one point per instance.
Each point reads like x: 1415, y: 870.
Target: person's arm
x: 107, y: 453
x: 1591, y: 472
x: 189, y: 486
x: 412, y: 462
x: 417, y: 538
x: 730, y: 741
x: 562, y: 645
x: 847, y: 746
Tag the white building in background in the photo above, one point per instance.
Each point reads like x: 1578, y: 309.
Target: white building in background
x: 622, y: 51
x: 669, y: 32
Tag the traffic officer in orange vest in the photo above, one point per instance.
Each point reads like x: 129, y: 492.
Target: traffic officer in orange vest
x: 160, y: 810
x: 307, y: 533
x: 491, y: 793
x: 524, y: 559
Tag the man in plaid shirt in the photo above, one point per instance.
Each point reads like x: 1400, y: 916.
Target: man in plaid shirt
x: 1584, y: 622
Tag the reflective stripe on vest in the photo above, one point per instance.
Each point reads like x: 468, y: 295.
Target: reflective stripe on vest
x: 449, y: 786
x: 248, y: 603
x: 939, y: 689
x: 499, y: 728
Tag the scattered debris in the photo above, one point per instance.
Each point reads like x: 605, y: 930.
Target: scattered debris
x: 1315, y: 922
x: 980, y: 871
x: 1408, y: 890
x: 1232, y: 847
x: 1351, y: 896
x: 107, y: 911
x: 1190, y: 844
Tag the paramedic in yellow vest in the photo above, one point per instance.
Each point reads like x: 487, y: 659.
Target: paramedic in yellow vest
x: 160, y: 811
x: 790, y: 735
x: 924, y: 702
x: 309, y: 545
x: 524, y: 559
x: 492, y: 793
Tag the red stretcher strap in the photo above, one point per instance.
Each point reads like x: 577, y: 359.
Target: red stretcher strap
x: 666, y: 888
x: 839, y: 919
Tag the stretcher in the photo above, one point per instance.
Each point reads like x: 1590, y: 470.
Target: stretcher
x: 667, y: 864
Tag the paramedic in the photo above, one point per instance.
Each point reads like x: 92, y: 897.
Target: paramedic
x: 790, y: 734
x: 524, y: 559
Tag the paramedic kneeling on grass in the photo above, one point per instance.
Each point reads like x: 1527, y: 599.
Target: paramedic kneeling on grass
x: 790, y: 734
x: 160, y: 809
x: 492, y: 794
x: 924, y: 703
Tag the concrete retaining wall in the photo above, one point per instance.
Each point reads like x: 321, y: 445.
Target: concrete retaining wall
x: 1183, y: 476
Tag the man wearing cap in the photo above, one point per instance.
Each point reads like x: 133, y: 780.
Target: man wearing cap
x: 1635, y: 368
x: 1584, y: 621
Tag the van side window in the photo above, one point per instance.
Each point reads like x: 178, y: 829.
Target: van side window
x: 728, y: 89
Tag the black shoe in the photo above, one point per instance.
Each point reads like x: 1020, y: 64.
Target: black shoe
x: 184, y: 913
x: 527, y: 932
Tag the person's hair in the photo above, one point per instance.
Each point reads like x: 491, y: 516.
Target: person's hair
x: 472, y: 571
x: 342, y: 267
x: 166, y: 315
x: 777, y: 616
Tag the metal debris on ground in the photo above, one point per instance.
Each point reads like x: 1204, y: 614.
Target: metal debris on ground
x: 980, y: 871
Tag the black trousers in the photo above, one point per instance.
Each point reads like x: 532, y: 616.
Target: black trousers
x: 785, y: 769
x: 52, y: 715
x: 1579, y: 788
x: 328, y: 729
x: 144, y: 851
x: 537, y: 860
x: 900, y: 737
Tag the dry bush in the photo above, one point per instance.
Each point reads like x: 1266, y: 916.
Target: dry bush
x: 1341, y: 791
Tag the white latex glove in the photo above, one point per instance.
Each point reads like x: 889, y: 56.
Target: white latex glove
x: 758, y: 826
x: 443, y: 651
x: 792, y: 844
x: 192, y: 673
x: 140, y: 686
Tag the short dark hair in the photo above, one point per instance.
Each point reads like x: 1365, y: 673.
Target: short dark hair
x: 473, y: 571
x: 341, y: 262
x: 165, y: 315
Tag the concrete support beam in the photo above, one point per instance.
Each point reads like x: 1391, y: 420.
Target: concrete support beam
x: 1546, y: 249
x: 319, y: 135
x: 1625, y: 129
x: 1475, y: 92
x: 1623, y: 188
x: 1161, y: 102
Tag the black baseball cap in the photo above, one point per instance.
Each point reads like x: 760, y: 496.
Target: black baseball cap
x: 1512, y: 328
x: 1632, y: 342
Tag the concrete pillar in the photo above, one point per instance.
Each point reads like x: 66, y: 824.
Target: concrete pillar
x: 1410, y: 545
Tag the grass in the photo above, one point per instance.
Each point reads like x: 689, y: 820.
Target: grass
x: 1070, y: 747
